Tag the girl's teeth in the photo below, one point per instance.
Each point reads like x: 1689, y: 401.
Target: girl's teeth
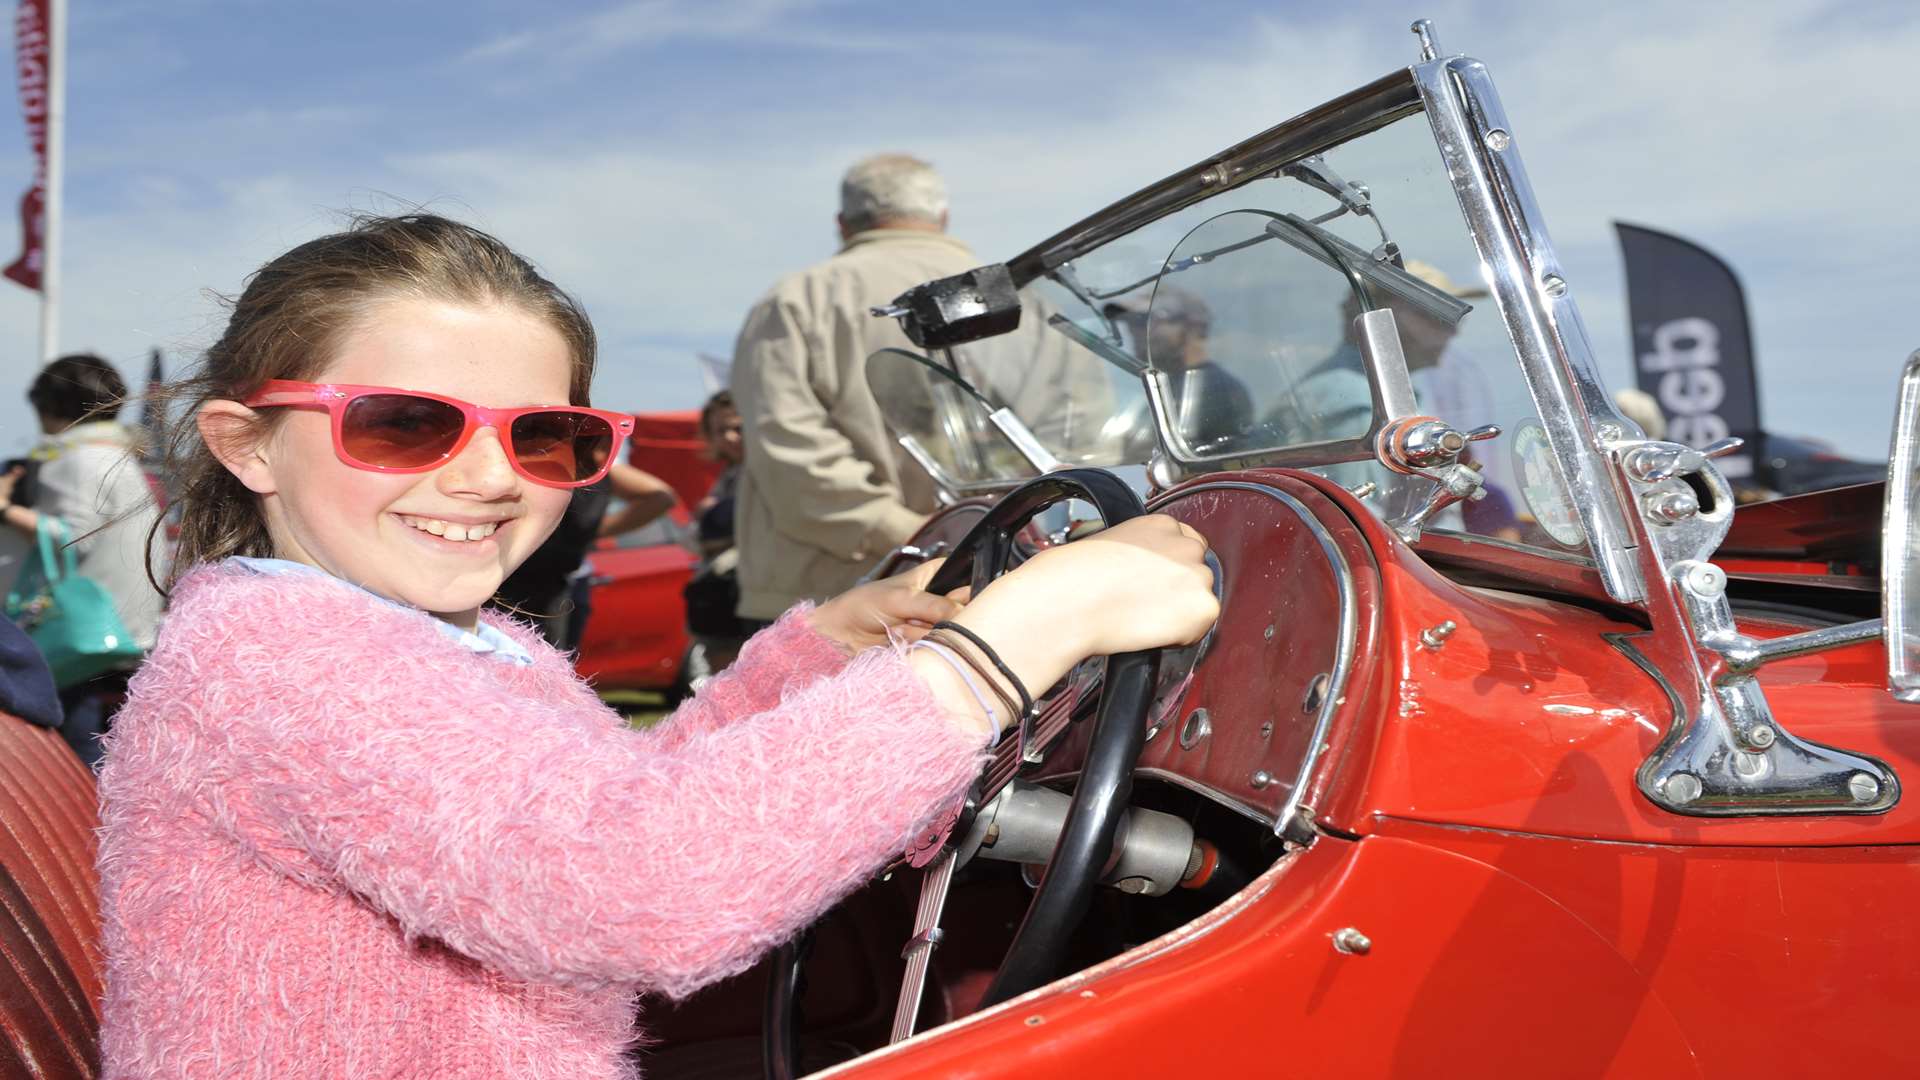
x: 453, y: 531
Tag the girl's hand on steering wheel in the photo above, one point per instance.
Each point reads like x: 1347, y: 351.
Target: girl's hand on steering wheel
x: 1139, y: 585
x: 895, y: 607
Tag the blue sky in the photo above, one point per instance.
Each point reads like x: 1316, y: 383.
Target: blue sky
x: 667, y: 159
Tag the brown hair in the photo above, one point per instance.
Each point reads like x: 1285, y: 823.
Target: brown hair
x: 287, y: 324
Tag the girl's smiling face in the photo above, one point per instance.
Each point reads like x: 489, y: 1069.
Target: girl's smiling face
x: 386, y: 532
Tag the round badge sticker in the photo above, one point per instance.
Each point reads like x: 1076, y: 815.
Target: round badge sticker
x: 1540, y: 484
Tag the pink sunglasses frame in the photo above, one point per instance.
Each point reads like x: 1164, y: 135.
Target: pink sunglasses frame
x: 335, y: 397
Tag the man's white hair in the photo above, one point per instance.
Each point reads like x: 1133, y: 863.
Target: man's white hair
x: 891, y: 187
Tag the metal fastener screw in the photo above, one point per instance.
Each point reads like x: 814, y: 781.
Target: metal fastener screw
x: 1683, y: 788
x: 1554, y: 285
x: 1352, y: 942
x: 1266, y: 730
x: 1262, y: 779
x: 1760, y: 737
x: 1668, y: 507
x: 1863, y: 787
x: 1267, y: 633
x: 1706, y: 579
x: 1435, y: 636
x: 1498, y: 139
x: 1036, y: 1021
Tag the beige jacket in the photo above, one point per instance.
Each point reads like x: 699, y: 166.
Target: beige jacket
x: 826, y: 491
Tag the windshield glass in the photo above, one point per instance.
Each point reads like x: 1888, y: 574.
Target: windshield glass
x: 1246, y: 302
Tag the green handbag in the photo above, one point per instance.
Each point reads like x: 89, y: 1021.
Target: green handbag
x: 67, y: 614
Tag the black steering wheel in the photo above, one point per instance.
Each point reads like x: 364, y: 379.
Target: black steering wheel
x: 1099, y: 799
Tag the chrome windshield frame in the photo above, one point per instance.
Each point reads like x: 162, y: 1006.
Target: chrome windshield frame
x: 1531, y: 292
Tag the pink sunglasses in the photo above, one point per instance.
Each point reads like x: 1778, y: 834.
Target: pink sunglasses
x: 384, y: 429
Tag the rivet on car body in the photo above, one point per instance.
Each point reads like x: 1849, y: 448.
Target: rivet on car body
x: 1267, y: 633
x: 1760, y: 737
x: 1262, y: 778
x: 1683, y: 788
x: 1266, y: 730
x: 1036, y: 1021
x: 1352, y: 942
x: 1863, y: 788
x: 1435, y: 636
x: 1498, y: 139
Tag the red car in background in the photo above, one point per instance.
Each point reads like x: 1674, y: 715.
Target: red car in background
x: 636, y: 635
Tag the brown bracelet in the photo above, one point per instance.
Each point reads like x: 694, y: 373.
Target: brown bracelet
x: 958, y: 646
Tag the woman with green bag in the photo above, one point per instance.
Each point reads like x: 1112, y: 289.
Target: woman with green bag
x: 88, y: 482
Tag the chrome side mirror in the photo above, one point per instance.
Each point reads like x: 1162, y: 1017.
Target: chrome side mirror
x: 1900, y: 545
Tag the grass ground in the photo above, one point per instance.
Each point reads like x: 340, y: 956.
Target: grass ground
x: 642, y: 708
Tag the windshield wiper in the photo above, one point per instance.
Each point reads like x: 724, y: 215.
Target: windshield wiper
x: 1320, y: 244
x: 1112, y: 354
x: 1066, y: 277
x: 1354, y: 199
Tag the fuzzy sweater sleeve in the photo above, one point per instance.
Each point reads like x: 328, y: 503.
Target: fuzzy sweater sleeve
x: 538, y: 839
x: 788, y: 653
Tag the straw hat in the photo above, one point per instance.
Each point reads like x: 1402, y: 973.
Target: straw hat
x: 1438, y: 278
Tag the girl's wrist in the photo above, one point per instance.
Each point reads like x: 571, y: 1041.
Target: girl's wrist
x: 968, y: 710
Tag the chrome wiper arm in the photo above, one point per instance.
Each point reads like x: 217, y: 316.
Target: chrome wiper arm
x: 1355, y: 199
x: 1198, y: 258
x: 1320, y: 244
x: 1068, y: 279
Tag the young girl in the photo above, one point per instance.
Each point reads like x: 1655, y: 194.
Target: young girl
x: 352, y: 828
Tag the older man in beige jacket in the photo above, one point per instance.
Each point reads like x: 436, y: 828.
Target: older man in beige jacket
x: 825, y: 491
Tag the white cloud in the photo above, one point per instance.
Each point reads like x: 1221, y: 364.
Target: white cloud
x: 1710, y: 126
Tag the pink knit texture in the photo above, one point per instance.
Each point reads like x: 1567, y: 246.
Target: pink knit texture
x: 335, y: 843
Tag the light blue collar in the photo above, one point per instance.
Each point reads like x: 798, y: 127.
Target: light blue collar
x: 482, y: 639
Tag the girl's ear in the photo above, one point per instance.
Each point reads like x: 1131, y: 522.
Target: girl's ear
x: 232, y: 434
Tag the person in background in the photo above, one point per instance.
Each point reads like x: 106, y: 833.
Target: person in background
x: 551, y: 587
x: 714, y: 591
x: 825, y: 492
x: 88, y: 478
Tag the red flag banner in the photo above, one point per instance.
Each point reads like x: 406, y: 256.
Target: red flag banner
x: 30, y: 41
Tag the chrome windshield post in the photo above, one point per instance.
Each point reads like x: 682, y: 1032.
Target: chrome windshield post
x: 1653, y: 512
x: 1533, y: 297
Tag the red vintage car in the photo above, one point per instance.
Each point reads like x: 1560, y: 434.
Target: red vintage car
x: 1515, y: 752
x: 636, y: 637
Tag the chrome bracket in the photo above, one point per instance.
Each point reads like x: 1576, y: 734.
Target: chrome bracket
x: 1726, y: 754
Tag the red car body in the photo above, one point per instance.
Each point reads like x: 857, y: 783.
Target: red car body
x: 636, y: 633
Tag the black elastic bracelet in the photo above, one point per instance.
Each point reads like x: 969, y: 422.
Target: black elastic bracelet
x: 966, y: 655
x: 1026, y: 699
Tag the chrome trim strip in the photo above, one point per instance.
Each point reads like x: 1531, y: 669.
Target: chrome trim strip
x: 1531, y: 293
x: 1349, y: 626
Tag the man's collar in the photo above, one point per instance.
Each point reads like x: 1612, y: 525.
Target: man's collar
x: 879, y: 236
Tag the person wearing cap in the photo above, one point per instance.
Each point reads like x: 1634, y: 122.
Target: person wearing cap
x: 825, y: 492
x: 1209, y: 401
x: 1335, y: 400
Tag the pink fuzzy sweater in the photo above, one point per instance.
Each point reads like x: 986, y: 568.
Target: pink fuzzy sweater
x: 337, y: 844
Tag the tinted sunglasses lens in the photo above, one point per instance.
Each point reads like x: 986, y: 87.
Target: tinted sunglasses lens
x: 399, y: 431
x: 561, y: 446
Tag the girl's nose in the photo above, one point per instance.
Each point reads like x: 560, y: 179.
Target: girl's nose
x: 481, y: 470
